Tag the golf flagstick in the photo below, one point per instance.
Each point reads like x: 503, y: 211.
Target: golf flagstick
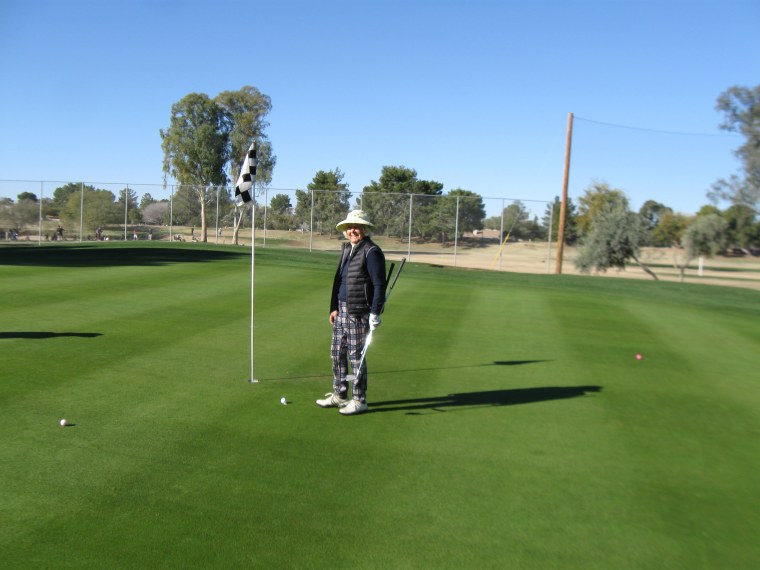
x: 245, y: 191
x: 368, y: 340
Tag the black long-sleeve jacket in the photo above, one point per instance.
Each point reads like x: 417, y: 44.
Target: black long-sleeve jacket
x: 365, y: 280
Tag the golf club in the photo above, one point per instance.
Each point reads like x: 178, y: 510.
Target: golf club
x: 368, y: 340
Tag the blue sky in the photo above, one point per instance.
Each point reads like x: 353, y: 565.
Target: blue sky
x: 472, y: 93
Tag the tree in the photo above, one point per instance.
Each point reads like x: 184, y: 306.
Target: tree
x: 47, y: 207
x: 389, y: 211
x: 196, y: 148
x: 708, y: 209
x: 517, y: 224
x: 19, y: 215
x: 386, y: 202
x: 551, y: 218
x: 741, y: 108
x: 133, y: 214
x: 705, y: 237
x: 516, y: 218
x: 426, y: 224
x: 615, y: 237
x: 425, y: 204
x: 280, y: 204
x: 62, y: 193
x: 207, y: 135
x: 27, y: 196
x: 597, y: 197
x: 669, y: 230
x: 184, y: 207
x: 281, y: 212
x: 146, y: 200
x: 6, y: 215
x: 458, y: 209
x: 330, y: 197
x: 156, y: 213
x: 246, y: 111
x: 651, y: 212
x: 533, y: 230
x: 472, y: 210
x: 99, y: 210
x: 741, y: 228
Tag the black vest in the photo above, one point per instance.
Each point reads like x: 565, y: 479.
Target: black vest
x: 359, y: 288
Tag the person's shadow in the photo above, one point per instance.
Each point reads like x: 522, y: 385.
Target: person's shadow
x: 509, y: 397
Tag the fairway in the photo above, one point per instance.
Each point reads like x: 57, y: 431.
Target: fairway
x: 510, y: 424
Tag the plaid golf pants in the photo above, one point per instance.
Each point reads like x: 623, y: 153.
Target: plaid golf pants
x: 349, y: 334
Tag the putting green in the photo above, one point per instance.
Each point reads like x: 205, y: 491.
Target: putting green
x: 510, y: 424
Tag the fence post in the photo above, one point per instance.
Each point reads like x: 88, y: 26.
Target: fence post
x: 456, y: 233
x: 39, y: 217
x: 549, y: 238
x: 171, y: 214
x: 266, y: 212
x: 409, y: 239
x: 311, y: 221
x: 501, y: 232
x: 216, y: 229
x: 126, y: 201
x: 81, y: 211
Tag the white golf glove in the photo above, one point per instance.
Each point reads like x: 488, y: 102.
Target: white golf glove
x: 374, y: 321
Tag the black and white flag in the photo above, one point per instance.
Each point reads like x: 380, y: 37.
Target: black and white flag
x: 247, y: 177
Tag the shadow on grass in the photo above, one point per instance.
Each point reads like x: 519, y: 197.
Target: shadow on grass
x: 416, y: 406
x: 494, y: 363
x: 104, y: 255
x: 384, y: 372
x: 41, y: 334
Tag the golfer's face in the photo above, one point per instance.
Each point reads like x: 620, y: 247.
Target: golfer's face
x: 355, y: 234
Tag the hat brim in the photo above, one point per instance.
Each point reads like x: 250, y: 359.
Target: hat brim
x: 343, y: 226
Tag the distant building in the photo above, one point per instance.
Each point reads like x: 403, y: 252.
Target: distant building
x: 483, y: 234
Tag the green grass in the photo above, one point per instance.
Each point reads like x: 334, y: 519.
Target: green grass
x: 511, y: 425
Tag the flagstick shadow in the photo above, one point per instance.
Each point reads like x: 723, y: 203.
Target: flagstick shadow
x: 490, y: 398
x: 96, y: 254
x: 43, y: 334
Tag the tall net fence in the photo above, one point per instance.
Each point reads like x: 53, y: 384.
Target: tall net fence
x: 501, y: 234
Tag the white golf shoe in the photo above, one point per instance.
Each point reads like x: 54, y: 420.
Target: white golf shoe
x: 353, y: 407
x: 331, y: 400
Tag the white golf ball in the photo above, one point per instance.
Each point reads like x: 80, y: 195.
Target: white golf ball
x: 283, y: 401
x: 64, y: 423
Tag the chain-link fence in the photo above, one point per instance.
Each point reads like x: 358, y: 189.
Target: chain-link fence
x: 460, y: 230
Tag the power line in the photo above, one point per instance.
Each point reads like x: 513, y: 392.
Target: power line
x: 658, y: 131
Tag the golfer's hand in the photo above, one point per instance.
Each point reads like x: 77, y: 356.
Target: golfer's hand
x: 333, y: 316
x: 374, y: 321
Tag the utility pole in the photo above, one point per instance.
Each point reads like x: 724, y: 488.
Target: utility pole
x: 563, y: 206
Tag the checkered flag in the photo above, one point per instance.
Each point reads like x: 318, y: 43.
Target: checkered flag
x: 247, y: 177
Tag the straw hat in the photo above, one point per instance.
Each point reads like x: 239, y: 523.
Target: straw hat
x: 354, y: 218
